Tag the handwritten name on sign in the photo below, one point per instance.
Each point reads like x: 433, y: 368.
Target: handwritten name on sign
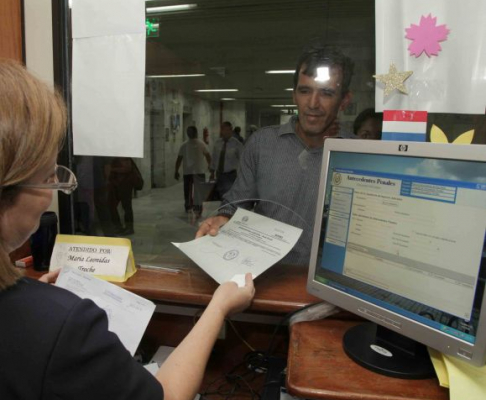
x: 84, y: 258
x: 109, y: 258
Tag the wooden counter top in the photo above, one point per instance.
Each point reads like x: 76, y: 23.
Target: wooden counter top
x: 318, y: 368
x: 280, y: 290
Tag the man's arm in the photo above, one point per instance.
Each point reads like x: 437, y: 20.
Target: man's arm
x: 177, y: 166
x: 208, y: 158
x: 242, y: 194
x: 212, y: 166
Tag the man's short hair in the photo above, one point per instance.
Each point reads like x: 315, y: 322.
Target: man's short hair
x: 191, y: 132
x: 228, y: 124
x: 316, y: 54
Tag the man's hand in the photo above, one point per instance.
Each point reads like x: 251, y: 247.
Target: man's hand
x: 50, y: 277
x: 177, y: 176
x: 211, y: 226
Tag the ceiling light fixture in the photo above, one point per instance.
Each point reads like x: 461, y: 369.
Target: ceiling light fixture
x: 284, y: 105
x: 176, y: 76
x: 228, y: 99
x: 164, y: 9
x: 289, y: 89
x: 280, y: 71
x: 216, y: 90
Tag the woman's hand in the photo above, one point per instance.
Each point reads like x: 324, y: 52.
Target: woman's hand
x: 231, y: 299
x: 50, y: 277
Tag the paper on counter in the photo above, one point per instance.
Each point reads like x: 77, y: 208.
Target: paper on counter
x: 248, y: 242
x: 465, y: 380
x: 440, y: 367
x: 128, y: 314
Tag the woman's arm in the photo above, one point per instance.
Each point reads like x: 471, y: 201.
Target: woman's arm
x: 181, y: 375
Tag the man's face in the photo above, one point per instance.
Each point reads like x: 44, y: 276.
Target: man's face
x: 318, y: 103
x: 226, y: 132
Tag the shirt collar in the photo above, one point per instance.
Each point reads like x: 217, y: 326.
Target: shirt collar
x: 288, y: 127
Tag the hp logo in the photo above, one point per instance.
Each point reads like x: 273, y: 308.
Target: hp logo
x: 403, y: 147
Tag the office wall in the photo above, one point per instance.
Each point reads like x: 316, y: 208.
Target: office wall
x: 168, y: 113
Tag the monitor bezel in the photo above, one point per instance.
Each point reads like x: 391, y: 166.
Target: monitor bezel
x: 412, y: 329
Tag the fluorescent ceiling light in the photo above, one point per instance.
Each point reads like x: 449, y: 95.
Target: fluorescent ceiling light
x: 280, y: 71
x: 216, y: 90
x: 289, y: 89
x: 284, y: 105
x: 163, y: 9
x: 228, y: 99
x: 176, y: 76
x: 322, y: 74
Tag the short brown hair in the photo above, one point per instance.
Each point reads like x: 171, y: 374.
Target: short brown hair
x: 316, y: 54
x: 32, y: 129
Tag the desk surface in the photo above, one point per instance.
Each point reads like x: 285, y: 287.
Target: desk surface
x: 318, y: 368
x: 281, y: 289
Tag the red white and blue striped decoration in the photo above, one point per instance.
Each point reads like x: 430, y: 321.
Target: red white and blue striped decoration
x: 404, y: 125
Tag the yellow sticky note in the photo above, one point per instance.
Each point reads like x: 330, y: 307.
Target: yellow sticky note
x: 106, y: 258
x: 466, y: 381
x: 440, y: 367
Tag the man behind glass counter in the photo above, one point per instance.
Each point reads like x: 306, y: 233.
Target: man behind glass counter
x: 280, y: 166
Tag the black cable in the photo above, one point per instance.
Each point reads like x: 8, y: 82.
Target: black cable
x: 255, y: 362
x: 233, y: 383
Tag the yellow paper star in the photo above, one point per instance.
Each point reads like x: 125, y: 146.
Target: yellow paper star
x: 394, y: 80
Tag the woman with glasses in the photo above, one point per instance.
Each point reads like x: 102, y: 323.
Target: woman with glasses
x: 54, y: 345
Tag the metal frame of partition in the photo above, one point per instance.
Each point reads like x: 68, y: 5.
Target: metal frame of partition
x: 61, y: 36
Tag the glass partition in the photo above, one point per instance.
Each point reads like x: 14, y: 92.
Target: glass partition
x: 208, y: 64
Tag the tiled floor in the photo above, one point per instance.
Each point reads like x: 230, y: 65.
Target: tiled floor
x: 160, y: 219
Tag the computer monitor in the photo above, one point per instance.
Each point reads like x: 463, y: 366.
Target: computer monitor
x: 399, y: 239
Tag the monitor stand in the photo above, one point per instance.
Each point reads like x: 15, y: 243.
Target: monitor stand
x: 386, y: 352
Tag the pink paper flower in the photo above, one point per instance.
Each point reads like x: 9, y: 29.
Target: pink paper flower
x: 426, y: 36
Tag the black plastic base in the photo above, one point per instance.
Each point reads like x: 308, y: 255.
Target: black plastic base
x: 406, y: 358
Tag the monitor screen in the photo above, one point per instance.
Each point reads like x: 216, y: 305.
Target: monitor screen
x: 399, y: 239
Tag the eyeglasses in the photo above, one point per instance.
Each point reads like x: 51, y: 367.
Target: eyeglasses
x: 64, y: 180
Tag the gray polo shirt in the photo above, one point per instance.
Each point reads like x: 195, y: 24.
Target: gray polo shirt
x: 278, y: 177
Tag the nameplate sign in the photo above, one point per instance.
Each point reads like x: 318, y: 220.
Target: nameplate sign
x: 107, y: 258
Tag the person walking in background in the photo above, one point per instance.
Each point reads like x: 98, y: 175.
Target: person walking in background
x: 237, y: 134
x: 195, y: 159
x: 120, y: 190
x: 226, y: 157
